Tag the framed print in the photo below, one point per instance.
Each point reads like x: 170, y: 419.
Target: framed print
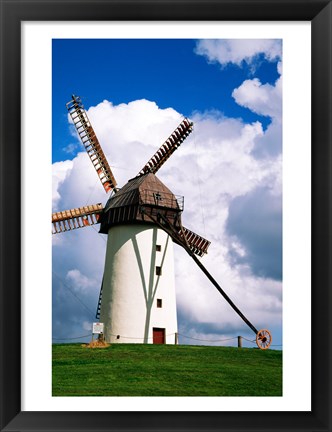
x: 274, y: 61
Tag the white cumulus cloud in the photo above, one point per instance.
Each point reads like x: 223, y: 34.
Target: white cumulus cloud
x: 79, y: 281
x: 59, y: 172
x: 238, y: 50
x: 263, y: 99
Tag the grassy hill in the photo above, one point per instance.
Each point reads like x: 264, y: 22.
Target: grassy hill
x: 165, y: 370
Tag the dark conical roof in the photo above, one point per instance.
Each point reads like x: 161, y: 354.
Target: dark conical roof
x: 143, y: 192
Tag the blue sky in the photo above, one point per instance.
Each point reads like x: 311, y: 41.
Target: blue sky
x: 165, y: 71
x: 229, y: 170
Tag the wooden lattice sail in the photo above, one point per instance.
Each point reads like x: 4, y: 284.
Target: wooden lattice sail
x: 170, y: 145
x: 80, y: 217
x: 91, y: 143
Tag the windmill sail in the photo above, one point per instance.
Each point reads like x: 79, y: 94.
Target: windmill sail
x: 199, y: 245
x: 91, y: 143
x: 170, y: 145
x: 80, y: 217
x: 99, y: 301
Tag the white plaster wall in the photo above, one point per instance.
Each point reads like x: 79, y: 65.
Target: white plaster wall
x: 131, y: 287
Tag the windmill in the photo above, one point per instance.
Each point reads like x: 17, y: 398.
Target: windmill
x: 142, y: 221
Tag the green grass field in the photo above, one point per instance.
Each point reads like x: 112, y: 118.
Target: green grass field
x: 165, y: 370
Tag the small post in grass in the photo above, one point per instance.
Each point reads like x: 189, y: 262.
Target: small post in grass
x: 239, y: 341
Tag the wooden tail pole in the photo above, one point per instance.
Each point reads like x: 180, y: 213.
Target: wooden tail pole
x: 222, y: 292
x: 263, y: 337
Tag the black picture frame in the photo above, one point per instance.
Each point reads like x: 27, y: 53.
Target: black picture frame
x: 13, y: 12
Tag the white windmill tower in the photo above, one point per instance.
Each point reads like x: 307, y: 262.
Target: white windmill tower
x: 137, y: 301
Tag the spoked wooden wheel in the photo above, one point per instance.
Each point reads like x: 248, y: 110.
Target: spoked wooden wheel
x: 263, y: 339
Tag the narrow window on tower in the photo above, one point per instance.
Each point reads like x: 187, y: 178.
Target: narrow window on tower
x: 158, y: 271
x: 159, y: 303
x: 158, y: 248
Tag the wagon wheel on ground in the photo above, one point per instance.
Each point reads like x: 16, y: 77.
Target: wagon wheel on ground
x: 263, y: 339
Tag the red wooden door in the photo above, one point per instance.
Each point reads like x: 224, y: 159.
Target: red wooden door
x: 158, y: 335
